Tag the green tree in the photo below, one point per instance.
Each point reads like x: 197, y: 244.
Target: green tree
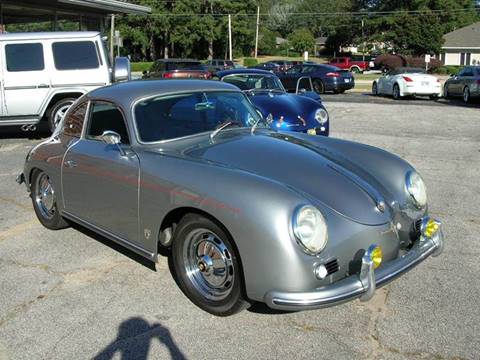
x: 267, y: 42
x: 302, y: 40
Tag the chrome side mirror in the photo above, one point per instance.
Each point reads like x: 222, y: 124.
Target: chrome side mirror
x: 110, y: 137
x: 121, y: 69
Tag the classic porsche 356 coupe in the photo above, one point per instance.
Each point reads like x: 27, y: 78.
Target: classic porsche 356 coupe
x: 302, y: 112
x: 249, y: 213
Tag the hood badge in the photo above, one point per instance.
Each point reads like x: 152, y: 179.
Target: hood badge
x: 381, y: 206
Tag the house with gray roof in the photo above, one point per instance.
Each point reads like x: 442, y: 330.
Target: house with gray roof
x: 462, y: 46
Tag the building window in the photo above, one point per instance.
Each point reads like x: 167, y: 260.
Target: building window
x: 75, y: 55
x: 465, y: 58
x: 24, y: 57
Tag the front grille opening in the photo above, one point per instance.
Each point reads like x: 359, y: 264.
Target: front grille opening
x: 332, y: 266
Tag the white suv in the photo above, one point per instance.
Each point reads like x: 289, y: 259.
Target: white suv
x: 42, y: 74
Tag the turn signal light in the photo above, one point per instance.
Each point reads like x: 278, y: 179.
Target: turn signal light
x: 430, y: 228
x: 375, y: 254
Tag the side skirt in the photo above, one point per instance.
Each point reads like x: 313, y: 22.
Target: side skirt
x: 119, y: 240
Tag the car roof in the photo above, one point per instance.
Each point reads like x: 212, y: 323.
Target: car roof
x: 243, y: 71
x: 125, y: 93
x: 176, y: 60
x: 49, y: 35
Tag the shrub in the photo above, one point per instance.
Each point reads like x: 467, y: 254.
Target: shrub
x: 448, y: 69
x: 249, y: 62
x: 390, y: 61
x: 141, y: 66
x: 419, y: 62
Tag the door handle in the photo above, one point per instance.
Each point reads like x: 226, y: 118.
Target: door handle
x: 42, y: 86
x: 70, y: 164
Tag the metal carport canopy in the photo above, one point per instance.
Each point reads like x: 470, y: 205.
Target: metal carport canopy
x: 114, y: 6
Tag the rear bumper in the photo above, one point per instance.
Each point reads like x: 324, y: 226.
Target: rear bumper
x: 361, y: 285
x: 339, y: 85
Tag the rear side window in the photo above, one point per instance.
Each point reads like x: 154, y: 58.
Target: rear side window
x: 76, y: 55
x: 73, y: 123
x: 24, y: 57
x: 106, y: 116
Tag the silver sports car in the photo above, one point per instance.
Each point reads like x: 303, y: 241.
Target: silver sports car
x: 248, y: 213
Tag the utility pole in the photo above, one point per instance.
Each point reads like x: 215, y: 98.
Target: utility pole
x: 112, y: 35
x: 364, y: 43
x: 256, y: 36
x: 230, y: 36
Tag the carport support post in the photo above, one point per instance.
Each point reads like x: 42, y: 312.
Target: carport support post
x: 112, y: 35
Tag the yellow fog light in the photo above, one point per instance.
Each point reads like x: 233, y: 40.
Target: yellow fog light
x: 430, y: 228
x: 376, y: 255
x: 312, y: 132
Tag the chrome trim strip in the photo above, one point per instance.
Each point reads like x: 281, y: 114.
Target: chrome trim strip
x: 23, y: 121
x: 131, y: 246
x: 78, y: 85
x: 356, y: 286
x: 26, y: 87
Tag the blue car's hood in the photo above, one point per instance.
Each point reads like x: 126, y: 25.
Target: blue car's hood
x: 288, y: 106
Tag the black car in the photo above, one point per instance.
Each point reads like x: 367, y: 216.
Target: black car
x: 269, y: 66
x: 324, y: 78
x: 215, y: 65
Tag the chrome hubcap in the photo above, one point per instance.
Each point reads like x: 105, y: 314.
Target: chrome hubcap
x: 60, y: 113
x: 45, y: 196
x: 209, y: 264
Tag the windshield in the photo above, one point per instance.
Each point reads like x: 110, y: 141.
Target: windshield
x: 184, y: 65
x: 254, y: 81
x: 174, y: 116
x: 403, y: 70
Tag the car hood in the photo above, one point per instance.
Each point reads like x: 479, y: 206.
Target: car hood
x: 301, y: 166
x: 288, y: 106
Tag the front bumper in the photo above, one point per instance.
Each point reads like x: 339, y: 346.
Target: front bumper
x: 361, y: 285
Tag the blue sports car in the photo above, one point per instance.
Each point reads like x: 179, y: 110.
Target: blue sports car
x: 301, y: 112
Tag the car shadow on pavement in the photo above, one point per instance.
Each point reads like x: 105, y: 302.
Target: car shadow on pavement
x: 134, y: 338
x: 14, y: 132
x: 114, y: 246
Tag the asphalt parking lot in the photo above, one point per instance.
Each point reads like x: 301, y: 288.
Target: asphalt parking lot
x: 70, y: 294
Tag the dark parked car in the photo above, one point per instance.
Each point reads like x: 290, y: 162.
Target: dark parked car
x: 269, y: 66
x: 465, y: 84
x: 249, y: 213
x: 177, y: 69
x: 215, y: 65
x: 283, y: 65
x: 324, y: 78
x: 283, y: 111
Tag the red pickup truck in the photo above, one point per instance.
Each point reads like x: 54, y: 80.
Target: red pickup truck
x: 347, y: 63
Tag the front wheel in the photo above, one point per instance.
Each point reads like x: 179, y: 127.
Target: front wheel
x: 57, y: 112
x: 396, y: 92
x: 207, y: 266
x: 374, y: 89
x: 318, y: 86
x: 45, y: 201
x: 446, y: 95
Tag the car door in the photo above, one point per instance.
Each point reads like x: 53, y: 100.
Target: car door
x: 100, y: 181
x: 25, y: 79
x: 454, y: 84
x: 467, y: 79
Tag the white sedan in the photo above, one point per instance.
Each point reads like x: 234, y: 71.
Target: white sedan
x: 407, y: 82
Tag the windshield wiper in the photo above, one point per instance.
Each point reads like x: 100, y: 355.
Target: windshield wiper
x: 222, y: 126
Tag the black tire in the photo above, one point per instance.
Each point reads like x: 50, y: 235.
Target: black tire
x: 396, y: 92
x: 433, y: 97
x: 375, y: 89
x: 51, y: 219
x: 318, y: 86
x: 356, y: 70
x: 446, y: 95
x: 466, y: 95
x: 56, y: 112
x: 194, y: 273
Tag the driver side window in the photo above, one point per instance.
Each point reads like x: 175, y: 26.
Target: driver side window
x: 105, y: 116
x: 294, y: 70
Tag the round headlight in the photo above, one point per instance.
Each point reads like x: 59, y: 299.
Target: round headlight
x: 321, y: 115
x: 416, y: 189
x: 310, y: 229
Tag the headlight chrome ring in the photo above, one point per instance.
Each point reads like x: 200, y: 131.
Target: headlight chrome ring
x: 310, y: 229
x: 321, y: 115
x: 416, y: 189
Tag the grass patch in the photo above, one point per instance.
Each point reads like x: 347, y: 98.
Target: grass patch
x: 366, y: 76
x: 140, y: 66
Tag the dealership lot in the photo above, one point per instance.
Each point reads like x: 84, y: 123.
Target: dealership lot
x: 73, y: 294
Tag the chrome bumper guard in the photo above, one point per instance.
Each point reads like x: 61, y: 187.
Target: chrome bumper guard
x: 363, y: 285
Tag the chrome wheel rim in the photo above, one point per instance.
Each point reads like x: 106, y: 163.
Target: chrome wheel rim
x: 208, y: 264
x: 466, y: 95
x: 60, y: 114
x: 45, y: 196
